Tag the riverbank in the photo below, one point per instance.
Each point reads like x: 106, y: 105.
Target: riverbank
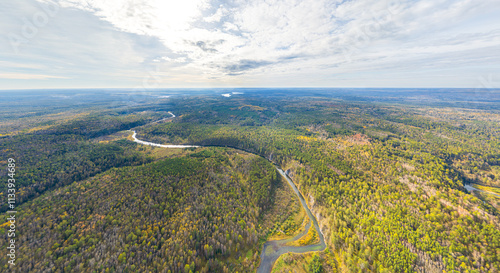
x: 272, y: 250
x: 480, y: 188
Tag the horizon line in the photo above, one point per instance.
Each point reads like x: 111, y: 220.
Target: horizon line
x: 132, y: 89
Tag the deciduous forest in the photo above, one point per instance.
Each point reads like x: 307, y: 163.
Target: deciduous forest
x: 396, y: 186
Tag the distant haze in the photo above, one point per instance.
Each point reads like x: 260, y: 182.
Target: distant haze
x: 143, y: 44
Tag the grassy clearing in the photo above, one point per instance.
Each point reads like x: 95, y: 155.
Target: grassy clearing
x: 305, y: 263
x: 292, y: 226
x: 309, y: 239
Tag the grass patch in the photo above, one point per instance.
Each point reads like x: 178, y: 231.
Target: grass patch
x: 316, y: 262
x: 309, y: 239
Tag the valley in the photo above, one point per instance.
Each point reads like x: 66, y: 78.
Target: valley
x: 377, y: 186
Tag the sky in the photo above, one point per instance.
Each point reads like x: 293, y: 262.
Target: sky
x: 143, y: 44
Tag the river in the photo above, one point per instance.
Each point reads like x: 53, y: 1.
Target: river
x: 134, y: 136
x: 271, y: 250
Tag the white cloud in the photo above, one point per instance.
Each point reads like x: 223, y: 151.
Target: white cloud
x: 238, y: 42
x: 217, y: 16
x: 20, y: 76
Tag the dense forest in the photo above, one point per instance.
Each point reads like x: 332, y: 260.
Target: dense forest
x: 386, y: 182
x: 371, y: 170
x: 59, y: 155
x: 198, y: 213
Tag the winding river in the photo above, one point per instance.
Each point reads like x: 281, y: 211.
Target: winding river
x: 134, y: 136
x: 271, y: 250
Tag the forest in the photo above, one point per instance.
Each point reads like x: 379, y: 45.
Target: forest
x: 386, y: 182
x: 197, y: 213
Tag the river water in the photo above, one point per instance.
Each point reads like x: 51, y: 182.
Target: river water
x: 271, y: 250
x: 159, y: 145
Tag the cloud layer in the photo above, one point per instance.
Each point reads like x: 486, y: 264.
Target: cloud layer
x: 266, y: 43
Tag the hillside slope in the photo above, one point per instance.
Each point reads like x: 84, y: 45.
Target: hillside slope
x: 203, y: 212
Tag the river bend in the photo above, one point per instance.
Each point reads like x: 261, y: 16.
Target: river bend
x: 271, y: 250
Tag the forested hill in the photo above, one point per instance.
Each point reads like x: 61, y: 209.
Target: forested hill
x: 202, y: 212
x: 386, y: 181
x: 54, y: 156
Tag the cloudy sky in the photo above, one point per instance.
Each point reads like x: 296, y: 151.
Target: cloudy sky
x: 261, y: 43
